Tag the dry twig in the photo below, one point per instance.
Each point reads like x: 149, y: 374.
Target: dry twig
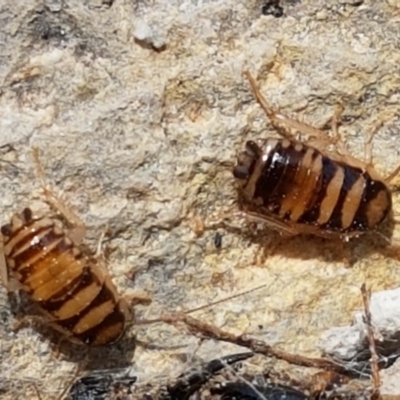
x: 372, y: 347
x: 208, y: 331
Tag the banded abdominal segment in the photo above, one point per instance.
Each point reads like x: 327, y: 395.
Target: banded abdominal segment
x: 69, y: 287
x: 297, y: 184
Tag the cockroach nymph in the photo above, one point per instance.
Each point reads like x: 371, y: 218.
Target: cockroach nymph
x: 71, y: 288
x: 298, y: 187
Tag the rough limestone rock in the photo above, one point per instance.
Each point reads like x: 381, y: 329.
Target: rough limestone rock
x: 139, y: 109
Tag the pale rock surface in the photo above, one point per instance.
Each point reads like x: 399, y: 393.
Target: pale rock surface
x: 350, y: 344
x: 139, y: 109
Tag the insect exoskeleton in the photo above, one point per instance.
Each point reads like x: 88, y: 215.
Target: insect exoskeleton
x: 71, y: 288
x: 298, y: 187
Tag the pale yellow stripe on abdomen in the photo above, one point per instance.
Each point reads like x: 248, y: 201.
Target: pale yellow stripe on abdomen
x: 45, y: 273
x: 290, y: 199
x: 376, y: 208
x: 352, y: 202
x: 34, y: 255
x: 63, y: 262
x: 331, y: 196
x: 14, y: 243
x: 94, y: 317
x: 79, y: 301
x: 249, y: 189
x: 308, y: 189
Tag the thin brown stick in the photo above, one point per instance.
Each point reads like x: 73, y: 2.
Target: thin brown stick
x: 204, y: 306
x: 372, y: 348
x: 66, y: 388
x: 208, y: 331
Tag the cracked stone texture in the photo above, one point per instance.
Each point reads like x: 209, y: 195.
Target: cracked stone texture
x: 139, y: 109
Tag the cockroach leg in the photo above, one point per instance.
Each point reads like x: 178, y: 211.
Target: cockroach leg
x: 335, y: 122
x: 368, y: 145
x: 338, y: 141
x: 3, y: 264
x: 271, y: 222
x: 392, y: 175
x: 368, y: 158
x: 25, y: 320
x: 285, y: 125
x: 78, y: 228
x: 99, y: 255
x: 323, y: 140
x: 137, y: 298
x: 271, y: 113
x: 279, y: 121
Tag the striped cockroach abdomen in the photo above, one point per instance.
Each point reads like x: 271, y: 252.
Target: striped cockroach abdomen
x: 72, y: 289
x: 299, y: 186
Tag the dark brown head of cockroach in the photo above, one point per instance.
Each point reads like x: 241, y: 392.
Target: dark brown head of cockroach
x: 17, y: 221
x: 6, y: 230
x: 246, y: 161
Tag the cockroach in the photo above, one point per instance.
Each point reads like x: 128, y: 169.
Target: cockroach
x: 299, y: 187
x: 71, y: 288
